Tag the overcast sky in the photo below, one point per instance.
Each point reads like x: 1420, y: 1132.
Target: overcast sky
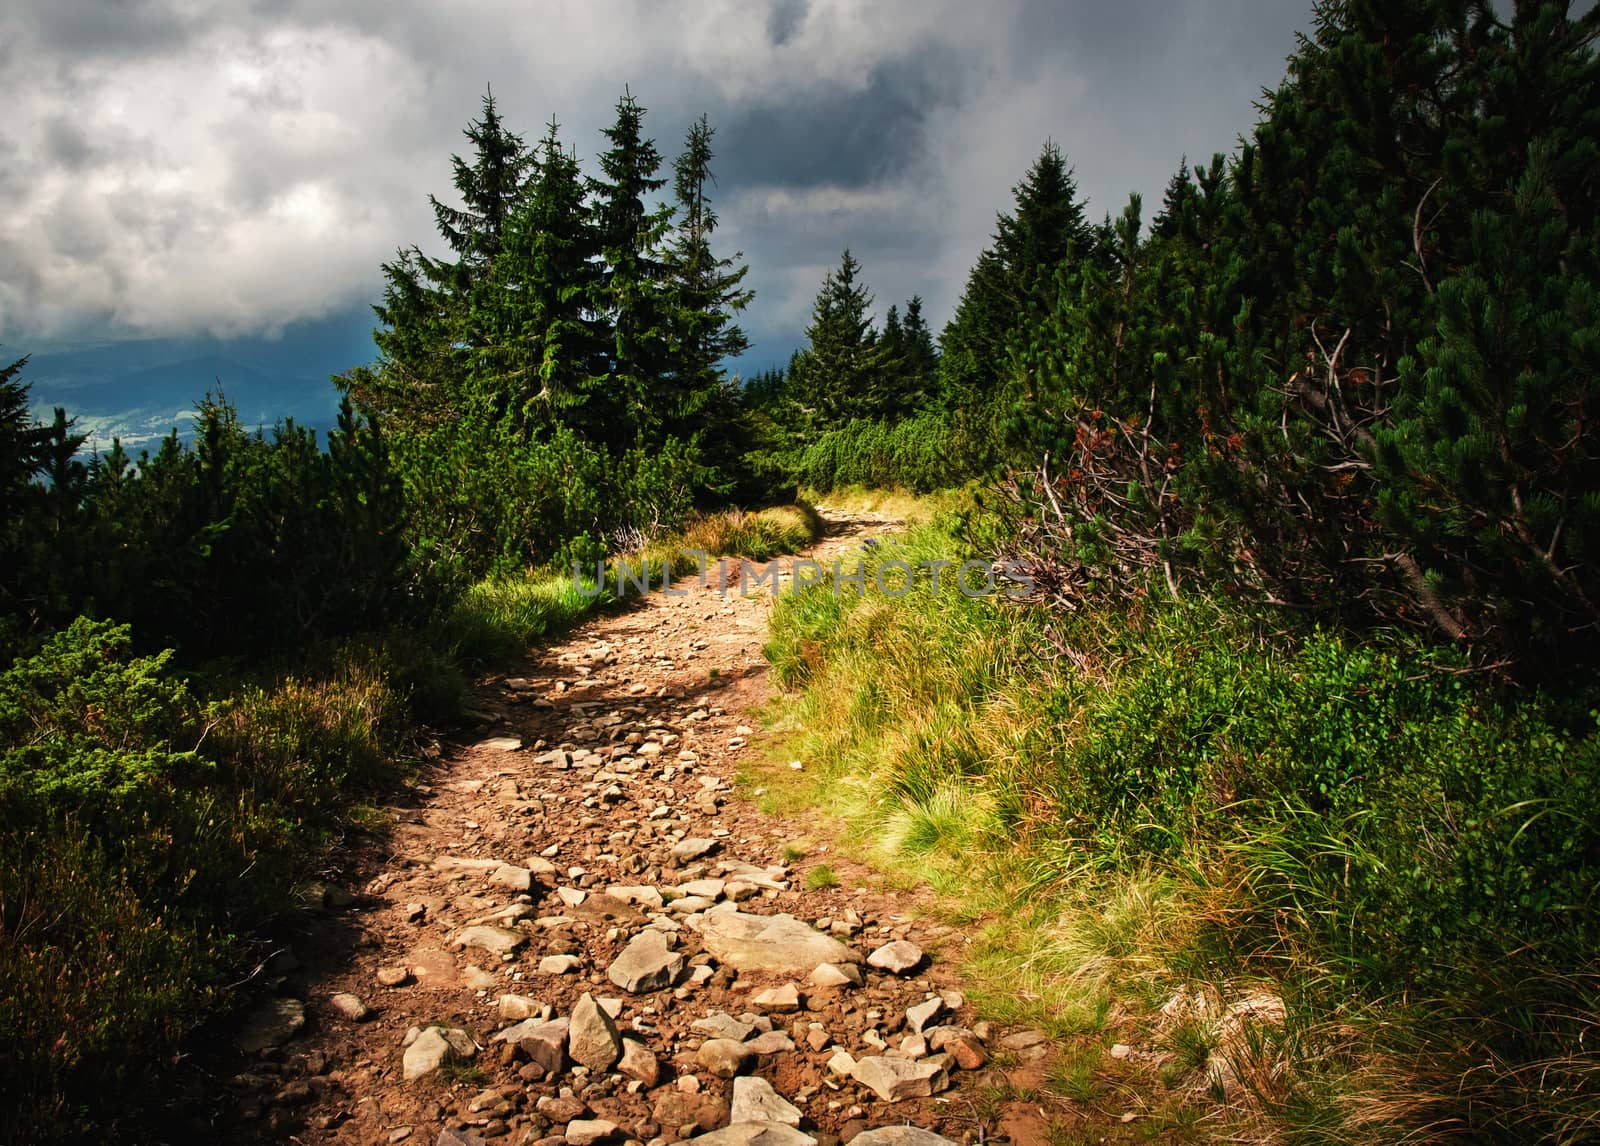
x: 174, y: 168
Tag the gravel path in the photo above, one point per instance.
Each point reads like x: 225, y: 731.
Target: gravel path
x: 578, y: 932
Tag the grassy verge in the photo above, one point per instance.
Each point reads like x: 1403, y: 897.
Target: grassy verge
x: 1312, y: 888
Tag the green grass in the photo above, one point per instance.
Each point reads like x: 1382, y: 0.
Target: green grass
x: 820, y: 877
x: 1176, y: 796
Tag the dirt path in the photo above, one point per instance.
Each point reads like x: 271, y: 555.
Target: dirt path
x: 580, y: 933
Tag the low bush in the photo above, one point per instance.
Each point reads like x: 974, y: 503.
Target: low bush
x: 757, y: 535
x: 145, y: 831
x: 926, y: 452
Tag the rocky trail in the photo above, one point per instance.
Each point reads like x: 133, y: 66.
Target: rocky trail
x: 576, y: 931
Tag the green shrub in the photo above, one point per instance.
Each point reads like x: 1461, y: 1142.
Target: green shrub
x: 928, y: 451
x: 94, y: 981
x: 308, y: 745
x: 140, y: 834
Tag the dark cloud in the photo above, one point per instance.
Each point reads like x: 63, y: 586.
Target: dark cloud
x: 114, y: 27
x: 784, y: 19
x: 840, y: 136
x: 66, y: 144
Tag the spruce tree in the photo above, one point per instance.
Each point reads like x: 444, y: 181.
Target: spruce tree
x: 706, y: 293
x: 631, y: 293
x: 25, y: 451
x: 490, y: 187
x: 922, y: 357
x: 886, y: 401
x: 1013, y: 287
x: 543, y: 361
x: 841, y: 369
x: 427, y: 341
x: 24, y: 444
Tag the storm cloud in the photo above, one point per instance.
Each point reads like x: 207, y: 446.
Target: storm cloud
x: 173, y: 169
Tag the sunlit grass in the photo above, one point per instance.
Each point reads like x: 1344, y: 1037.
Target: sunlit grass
x: 1062, y: 806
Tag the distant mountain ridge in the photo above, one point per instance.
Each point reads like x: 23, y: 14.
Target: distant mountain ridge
x: 139, y: 391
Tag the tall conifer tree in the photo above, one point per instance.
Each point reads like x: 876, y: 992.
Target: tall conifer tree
x: 707, y: 291
x: 630, y: 292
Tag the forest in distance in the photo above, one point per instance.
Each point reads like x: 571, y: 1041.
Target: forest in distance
x: 1300, y: 466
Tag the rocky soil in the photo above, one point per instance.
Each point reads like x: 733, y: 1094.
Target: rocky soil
x: 577, y: 932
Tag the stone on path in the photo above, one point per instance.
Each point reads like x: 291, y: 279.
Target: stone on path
x: 778, y: 943
x: 756, y: 1134
x: 892, y: 1079
x: 434, y: 1047
x: 512, y: 876
x: 686, y: 851
x: 350, y: 1006
x: 754, y: 1100
x: 724, y: 1026
x: 966, y: 1047
x: 919, y: 1016
x: 723, y: 1057
x: 495, y: 940
x: 477, y: 978
x: 900, y: 1136
x: 709, y: 888
x: 643, y: 896
x: 501, y: 744
x: 1024, y: 1040
x: 784, y: 1000
x: 593, y: 1039
x: 586, y: 1132
x: 560, y: 965
x: 773, y: 1042
x: 543, y: 1042
x: 639, y: 1062
x: 898, y: 957
x: 393, y: 976
x: 450, y: 1137
x: 646, y: 964
x: 836, y: 975
x: 271, y: 1024
x: 514, y: 1007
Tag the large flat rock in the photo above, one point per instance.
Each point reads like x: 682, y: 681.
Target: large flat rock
x: 768, y: 942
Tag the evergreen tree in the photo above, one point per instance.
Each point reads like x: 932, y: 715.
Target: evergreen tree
x: 427, y: 341
x: 922, y: 358
x: 491, y: 187
x: 841, y: 369
x: 24, y: 444
x: 706, y: 293
x: 631, y: 292
x: 1012, y: 287
x: 25, y: 451
x: 544, y: 355
x: 1175, y: 203
x: 887, y: 398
